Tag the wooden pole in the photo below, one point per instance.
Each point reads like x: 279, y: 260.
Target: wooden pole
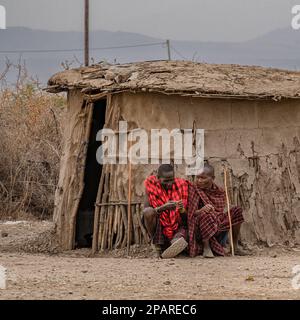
x: 129, y: 206
x: 121, y: 195
x: 169, y: 49
x: 103, y: 212
x: 86, y: 32
x: 97, y: 213
x: 228, y: 211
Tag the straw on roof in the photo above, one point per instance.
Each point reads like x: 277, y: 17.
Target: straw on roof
x: 181, y: 77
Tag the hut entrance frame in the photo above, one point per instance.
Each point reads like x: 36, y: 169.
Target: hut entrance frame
x: 92, y: 175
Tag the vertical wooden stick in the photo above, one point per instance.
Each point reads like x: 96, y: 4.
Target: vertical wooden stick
x: 121, y: 196
x: 228, y: 211
x: 105, y: 230
x: 129, y: 207
x: 102, y: 218
x: 119, y: 229
x: 97, y: 213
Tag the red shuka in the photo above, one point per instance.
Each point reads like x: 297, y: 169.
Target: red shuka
x: 158, y: 196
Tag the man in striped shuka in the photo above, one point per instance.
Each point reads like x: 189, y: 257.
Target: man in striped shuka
x: 165, y: 212
x: 208, y: 222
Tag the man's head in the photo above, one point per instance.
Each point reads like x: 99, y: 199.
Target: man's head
x: 166, y: 175
x: 206, y: 177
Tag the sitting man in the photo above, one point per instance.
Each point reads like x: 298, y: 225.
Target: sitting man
x: 208, y: 222
x: 164, y: 214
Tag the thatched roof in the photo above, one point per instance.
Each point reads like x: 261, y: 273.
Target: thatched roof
x: 181, y: 77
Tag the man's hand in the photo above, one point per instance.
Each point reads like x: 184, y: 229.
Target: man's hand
x: 231, y: 207
x: 208, y: 208
x: 171, y: 205
x: 180, y: 205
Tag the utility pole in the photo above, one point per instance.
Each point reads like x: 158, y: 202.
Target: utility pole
x: 86, y: 32
x: 169, y: 49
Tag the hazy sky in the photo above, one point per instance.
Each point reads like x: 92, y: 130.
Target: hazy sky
x: 213, y: 20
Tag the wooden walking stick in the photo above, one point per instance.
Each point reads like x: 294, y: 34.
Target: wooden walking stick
x: 228, y: 210
x: 129, y: 206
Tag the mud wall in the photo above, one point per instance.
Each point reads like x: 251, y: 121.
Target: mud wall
x: 260, y: 141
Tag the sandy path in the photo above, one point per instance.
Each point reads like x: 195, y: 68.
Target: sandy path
x: 68, y: 276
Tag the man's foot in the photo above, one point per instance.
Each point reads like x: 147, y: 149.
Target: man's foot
x: 156, y: 250
x: 207, y: 253
x: 240, y: 252
x: 176, y: 247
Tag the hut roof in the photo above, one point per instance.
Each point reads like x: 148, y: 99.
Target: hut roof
x: 181, y: 77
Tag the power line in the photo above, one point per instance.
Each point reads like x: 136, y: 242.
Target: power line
x: 80, y: 50
x: 179, y: 54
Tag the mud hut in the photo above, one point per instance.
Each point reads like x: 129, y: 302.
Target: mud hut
x: 251, y: 117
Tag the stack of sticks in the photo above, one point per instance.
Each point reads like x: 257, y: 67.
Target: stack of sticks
x: 111, y: 227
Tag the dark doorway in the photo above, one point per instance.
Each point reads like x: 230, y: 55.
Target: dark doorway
x: 85, y: 216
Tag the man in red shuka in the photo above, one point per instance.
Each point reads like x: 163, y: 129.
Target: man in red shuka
x: 207, y: 219
x: 164, y: 214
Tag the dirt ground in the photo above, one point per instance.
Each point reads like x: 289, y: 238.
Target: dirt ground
x: 36, y: 270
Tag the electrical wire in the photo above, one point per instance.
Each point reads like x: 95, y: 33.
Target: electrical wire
x: 79, y: 50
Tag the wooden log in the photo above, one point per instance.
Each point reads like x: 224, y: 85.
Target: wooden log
x: 111, y: 209
x: 116, y: 219
x: 103, y: 212
x: 105, y: 231
x: 117, y: 234
x: 124, y: 216
x: 129, y: 206
x: 94, y: 97
x: 97, y: 213
x: 118, y: 227
x: 122, y: 232
x: 109, y: 216
x: 110, y: 233
x: 101, y: 215
x: 114, y: 230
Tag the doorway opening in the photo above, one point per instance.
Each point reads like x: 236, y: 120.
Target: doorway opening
x: 92, y: 175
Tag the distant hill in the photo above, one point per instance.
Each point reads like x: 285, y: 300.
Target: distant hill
x: 280, y: 48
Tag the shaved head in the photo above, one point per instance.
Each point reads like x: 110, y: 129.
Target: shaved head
x: 164, y: 169
x: 208, y: 170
